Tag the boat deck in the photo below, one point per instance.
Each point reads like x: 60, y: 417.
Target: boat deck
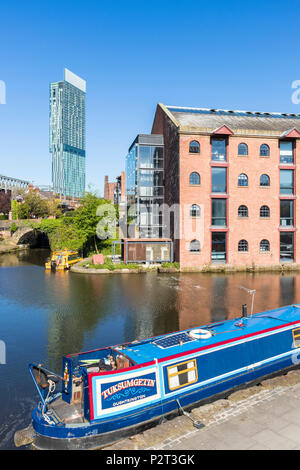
x: 68, y: 414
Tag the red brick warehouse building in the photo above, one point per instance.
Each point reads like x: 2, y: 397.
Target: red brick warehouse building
x: 234, y: 176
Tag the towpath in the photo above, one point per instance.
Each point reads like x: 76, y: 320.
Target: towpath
x: 265, y: 417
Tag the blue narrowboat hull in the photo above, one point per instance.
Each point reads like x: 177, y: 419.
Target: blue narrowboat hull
x: 171, y: 375
x: 99, y: 435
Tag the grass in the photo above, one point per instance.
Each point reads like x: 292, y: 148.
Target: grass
x: 114, y: 266
x: 170, y: 265
x: 108, y: 264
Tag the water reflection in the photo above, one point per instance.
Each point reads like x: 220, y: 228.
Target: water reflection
x: 213, y: 297
x: 44, y: 315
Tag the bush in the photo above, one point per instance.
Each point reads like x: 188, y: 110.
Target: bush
x: 108, y: 264
x: 13, y: 228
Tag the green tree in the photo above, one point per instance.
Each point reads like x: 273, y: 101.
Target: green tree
x: 86, y: 219
x: 78, y: 230
x: 33, y: 206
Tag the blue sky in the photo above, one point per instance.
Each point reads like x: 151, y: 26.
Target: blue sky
x: 134, y: 54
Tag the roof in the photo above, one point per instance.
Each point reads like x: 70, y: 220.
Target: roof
x: 256, y: 123
x: 228, y: 331
x: 148, y: 139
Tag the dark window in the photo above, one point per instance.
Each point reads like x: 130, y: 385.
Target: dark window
x: 286, y: 213
x: 218, y: 212
x: 195, y: 211
x: 195, y: 178
x: 243, y: 245
x: 264, y: 211
x: 286, y: 182
x: 243, y: 211
x: 264, y: 246
x: 243, y: 149
x: 264, y: 150
x: 182, y: 374
x: 218, y: 150
x: 265, y: 180
x: 296, y: 338
x: 243, y: 180
x: 286, y: 152
x: 194, y: 246
x: 218, y: 246
x: 286, y: 247
x: 218, y: 180
x: 194, y: 147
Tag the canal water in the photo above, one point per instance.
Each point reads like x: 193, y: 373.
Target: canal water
x: 44, y: 315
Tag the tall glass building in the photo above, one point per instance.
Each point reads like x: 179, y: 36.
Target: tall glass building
x: 145, y: 184
x: 67, y: 135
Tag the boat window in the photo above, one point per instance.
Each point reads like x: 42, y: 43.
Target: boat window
x: 296, y: 336
x: 182, y: 374
x: 73, y: 257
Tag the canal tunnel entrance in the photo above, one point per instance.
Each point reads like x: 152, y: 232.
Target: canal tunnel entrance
x: 35, y: 239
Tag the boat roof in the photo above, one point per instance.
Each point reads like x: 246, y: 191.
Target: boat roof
x: 64, y: 252
x: 166, y: 347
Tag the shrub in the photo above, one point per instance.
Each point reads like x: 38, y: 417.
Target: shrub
x: 13, y: 228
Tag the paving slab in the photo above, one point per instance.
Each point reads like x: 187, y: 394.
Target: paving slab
x: 266, y: 418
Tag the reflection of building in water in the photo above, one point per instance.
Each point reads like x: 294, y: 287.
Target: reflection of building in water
x: 201, y: 299
x: 205, y: 298
x: 97, y: 311
x: 152, y: 306
x: 287, y: 290
x: 80, y: 308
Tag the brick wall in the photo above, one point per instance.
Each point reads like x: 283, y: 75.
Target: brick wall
x: 180, y: 163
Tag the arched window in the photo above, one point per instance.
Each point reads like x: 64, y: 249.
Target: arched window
x: 195, y: 211
x: 194, y: 178
x: 264, y: 180
x: 194, y: 147
x: 195, y: 246
x: 264, y: 150
x: 243, y: 211
x: 243, y: 180
x: 264, y: 211
x: 264, y: 246
x: 243, y: 149
x: 243, y: 245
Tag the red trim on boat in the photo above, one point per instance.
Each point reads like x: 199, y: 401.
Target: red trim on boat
x: 112, y: 372
x: 228, y: 341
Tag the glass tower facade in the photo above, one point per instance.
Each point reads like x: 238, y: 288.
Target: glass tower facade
x: 145, y: 184
x: 67, y: 135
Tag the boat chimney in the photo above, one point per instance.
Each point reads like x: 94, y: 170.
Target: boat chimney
x: 244, y: 311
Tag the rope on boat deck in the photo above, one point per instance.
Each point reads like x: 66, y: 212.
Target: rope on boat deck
x: 48, y: 414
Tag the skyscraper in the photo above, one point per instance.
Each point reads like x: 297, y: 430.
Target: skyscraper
x: 67, y: 135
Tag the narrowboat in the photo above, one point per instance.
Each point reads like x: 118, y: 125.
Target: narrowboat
x: 61, y: 260
x: 107, y: 394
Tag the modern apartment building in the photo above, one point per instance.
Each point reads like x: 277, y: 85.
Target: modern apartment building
x: 232, y: 179
x: 67, y: 135
x: 145, y: 185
